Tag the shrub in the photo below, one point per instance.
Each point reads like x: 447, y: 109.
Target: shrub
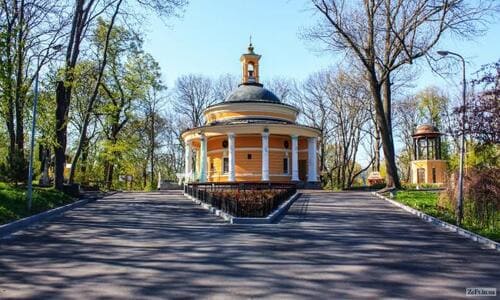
x: 15, y: 169
x: 482, y: 193
x: 6, y: 215
x: 481, y: 197
x: 250, y: 203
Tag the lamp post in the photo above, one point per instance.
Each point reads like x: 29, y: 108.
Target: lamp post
x: 460, y: 195
x: 33, y: 129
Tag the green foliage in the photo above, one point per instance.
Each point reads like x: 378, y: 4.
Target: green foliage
x: 13, y: 203
x: 432, y: 105
x: 15, y: 168
x: 483, y: 156
x: 440, y: 206
x: 412, y: 186
x: 3, y: 152
x: 425, y: 201
x: 127, y: 80
x: 404, y: 159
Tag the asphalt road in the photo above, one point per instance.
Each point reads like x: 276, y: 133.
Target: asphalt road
x: 161, y: 246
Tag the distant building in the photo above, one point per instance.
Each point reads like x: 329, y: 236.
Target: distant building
x: 251, y: 136
x: 427, y: 165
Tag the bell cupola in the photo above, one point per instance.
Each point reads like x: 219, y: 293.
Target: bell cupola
x: 250, y: 66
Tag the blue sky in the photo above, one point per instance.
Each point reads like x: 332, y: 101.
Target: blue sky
x: 212, y: 34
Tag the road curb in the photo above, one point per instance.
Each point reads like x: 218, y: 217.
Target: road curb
x: 281, y: 210
x: 450, y: 227
x: 24, y: 223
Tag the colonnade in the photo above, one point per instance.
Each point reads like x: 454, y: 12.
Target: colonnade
x: 312, y: 175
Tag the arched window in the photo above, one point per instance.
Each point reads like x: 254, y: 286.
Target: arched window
x: 251, y: 70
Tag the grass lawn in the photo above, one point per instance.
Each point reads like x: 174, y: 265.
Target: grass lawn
x: 427, y: 202
x: 13, y: 203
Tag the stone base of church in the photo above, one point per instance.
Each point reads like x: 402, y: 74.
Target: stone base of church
x: 309, y: 185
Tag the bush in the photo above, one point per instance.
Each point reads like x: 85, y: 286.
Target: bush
x: 15, y: 169
x: 6, y: 215
x: 482, y: 194
x: 481, y: 207
x: 250, y: 203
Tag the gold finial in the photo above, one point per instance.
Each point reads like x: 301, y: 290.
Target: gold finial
x: 250, y: 46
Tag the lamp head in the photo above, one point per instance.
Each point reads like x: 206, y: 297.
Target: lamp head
x: 443, y: 53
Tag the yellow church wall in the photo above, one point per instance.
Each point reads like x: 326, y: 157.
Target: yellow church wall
x: 247, y: 141
x: 235, y: 114
x: 250, y: 169
x: 246, y: 166
x: 277, y: 141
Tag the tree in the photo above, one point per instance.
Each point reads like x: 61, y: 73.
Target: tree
x: 385, y: 35
x: 407, y: 118
x: 224, y: 85
x: 351, y: 114
x: 28, y: 33
x: 126, y: 81
x: 192, y: 94
x: 103, y: 37
x: 312, y: 98
x: 282, y: 87
x: 433, y: 105
x: 334, y: 101
x: 483, y: 110
x: 84, y: 15
x: 152, y: 103
x: 83, y: 121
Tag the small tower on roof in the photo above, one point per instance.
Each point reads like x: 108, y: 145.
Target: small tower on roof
x: 250, y: 66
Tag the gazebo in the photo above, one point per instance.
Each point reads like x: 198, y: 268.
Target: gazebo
x: 427, y: 166
x: 251, y: 136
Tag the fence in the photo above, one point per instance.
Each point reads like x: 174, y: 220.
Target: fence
x: 242, y: 199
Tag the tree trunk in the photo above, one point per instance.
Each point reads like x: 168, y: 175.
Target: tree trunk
x: 387, y: 100
x: 64, y: 89
x: 392, y: 179
x: 109, y: 175
x: 376, y: 150
x: 83, y: 164
x: 8, y: 92
x: 152, y: 150
x: 61, y: 135
x: 19, y: 99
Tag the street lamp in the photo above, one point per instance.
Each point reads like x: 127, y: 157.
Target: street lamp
x: 460, y: 196
x: 33, y: 127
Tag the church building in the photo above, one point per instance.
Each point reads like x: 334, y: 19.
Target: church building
x: 251, y: 136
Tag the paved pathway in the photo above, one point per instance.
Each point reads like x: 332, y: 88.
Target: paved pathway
x: 159, y: 245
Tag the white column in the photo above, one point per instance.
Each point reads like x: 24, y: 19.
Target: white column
x: 203, y: 158
x: 188, y: 162
x: 295, y: 158
x: 231, y: 158
x: 265, y: 156
x: 311, y: 159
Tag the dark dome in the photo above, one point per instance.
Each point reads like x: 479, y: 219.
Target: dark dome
x: 426, y: 130
x: 252, y: 92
